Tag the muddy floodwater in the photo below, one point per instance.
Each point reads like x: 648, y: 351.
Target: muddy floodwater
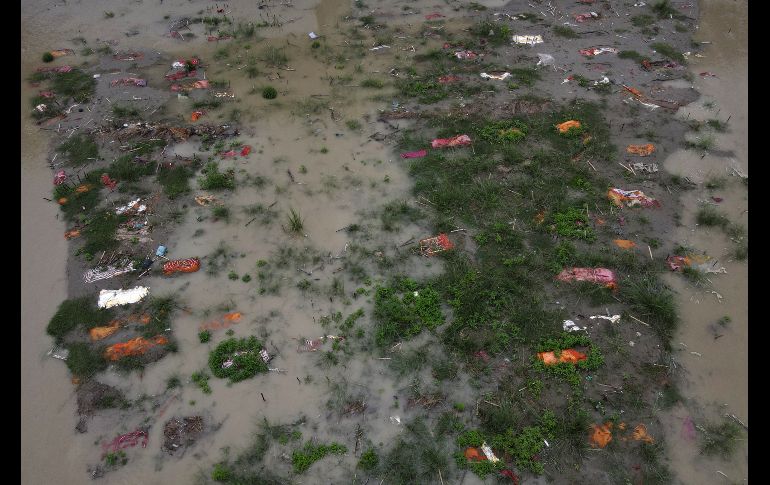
x: 326, y: 212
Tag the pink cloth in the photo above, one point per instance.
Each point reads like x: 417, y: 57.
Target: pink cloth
x: 417, y: 154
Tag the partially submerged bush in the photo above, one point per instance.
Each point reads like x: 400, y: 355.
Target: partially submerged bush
x: 237, y: 359
x: 404, y: 309
x: 213, y: 179
x: 269, y: 92
x: 76, y: 312
x: 302, y: 459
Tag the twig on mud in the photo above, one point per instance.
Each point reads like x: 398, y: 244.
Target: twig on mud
x: 250, y: 222
x: 638, y: 320
x: 737, y: 420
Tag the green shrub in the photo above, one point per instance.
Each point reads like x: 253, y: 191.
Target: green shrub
x: 244, y: 355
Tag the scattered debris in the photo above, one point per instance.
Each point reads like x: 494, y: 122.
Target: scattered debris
x: 497, y: 77
x: 612, y: 319
x: 527, y: 39
x: 700, y: 262
x: 181, y: 432
x: 433, y: 245
x: 570, y: 326
x: 632, y: 198
x: 595, y: 51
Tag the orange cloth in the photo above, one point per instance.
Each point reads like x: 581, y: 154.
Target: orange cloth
x: 601, y: 435
x: 568, y: 355
x: 473, y: 454
x: 136, y: 346
x: 641, y: 150
x: 624, y: 243
x: 568, y: 125
x: 99, y: 333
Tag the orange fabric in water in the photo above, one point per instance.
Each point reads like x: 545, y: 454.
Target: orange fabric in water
x: 640, y: 434
x: 190, y: 265
x: 641, y: 150
x: 568, y: 125
x: 624, y: 243
x: 567, y: 355
x: 195, y: 115
x: 473, y: 454
x: 137, y: 346
x: 601, y: 435
x: 227, y: 320
x: 99, y: 333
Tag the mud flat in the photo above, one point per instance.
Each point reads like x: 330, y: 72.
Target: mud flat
x: 374, y: 246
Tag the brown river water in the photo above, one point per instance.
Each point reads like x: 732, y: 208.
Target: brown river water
x: 331, y: 195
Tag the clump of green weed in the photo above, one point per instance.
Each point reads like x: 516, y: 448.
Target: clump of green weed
x: 500, y: 132
x: 213, y: 179
x: 631, y: 55
x: 79, y: 149
x: 269, y: 92
x: 274, y: 56
x: 664, y: 9
x: 201, y: 379
x: 372, y: 83
x: 84, y: 361
x: 175, y: 180
x: 237, y: 359
x: 369, y: 460
x: 710, y: 217
x: 574, y: 224
x: 654, y: 303
x: 74, y: 313
x: 720, y: 439
x: 565, y: 32
x: 668, y: 51
x: 354, y: 125
x: 204, y: 336
x: 404, y: 309
x: 303, y: 458
x: 48, y: 57
x: 296, y: 224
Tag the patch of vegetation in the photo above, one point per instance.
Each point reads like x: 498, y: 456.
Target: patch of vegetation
x: 404, y: 309
x: 269, y: 92
x: 84, y: 360
x: 127, y: 169
x: 79, y: 149
x: 240, y: 358
x: 574, y: 224
x: 100, y: 232
x: 497, y: 33
x: 398, y: 211
x: 663, y: 9
x: 213, y: 179
x: 274, y: 56
x: 565, y: 32
x: 642, y: 20
x: 74, y: 84
x: 506, y: 131
x: 295, y: 221
x: 717, y: 125
x: 708, y: 216
x: 204, y: 336
x: 369, y: 460
x: 653, y: 303
x: 668, y: 51
x: 372, y: 83
x: 303, y: 458
x: 201, y: 379
x: 175, y: 180
x: 74, y: 313
x: 353, y: 125
x: 720, y: 439
x: 631, y: 55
